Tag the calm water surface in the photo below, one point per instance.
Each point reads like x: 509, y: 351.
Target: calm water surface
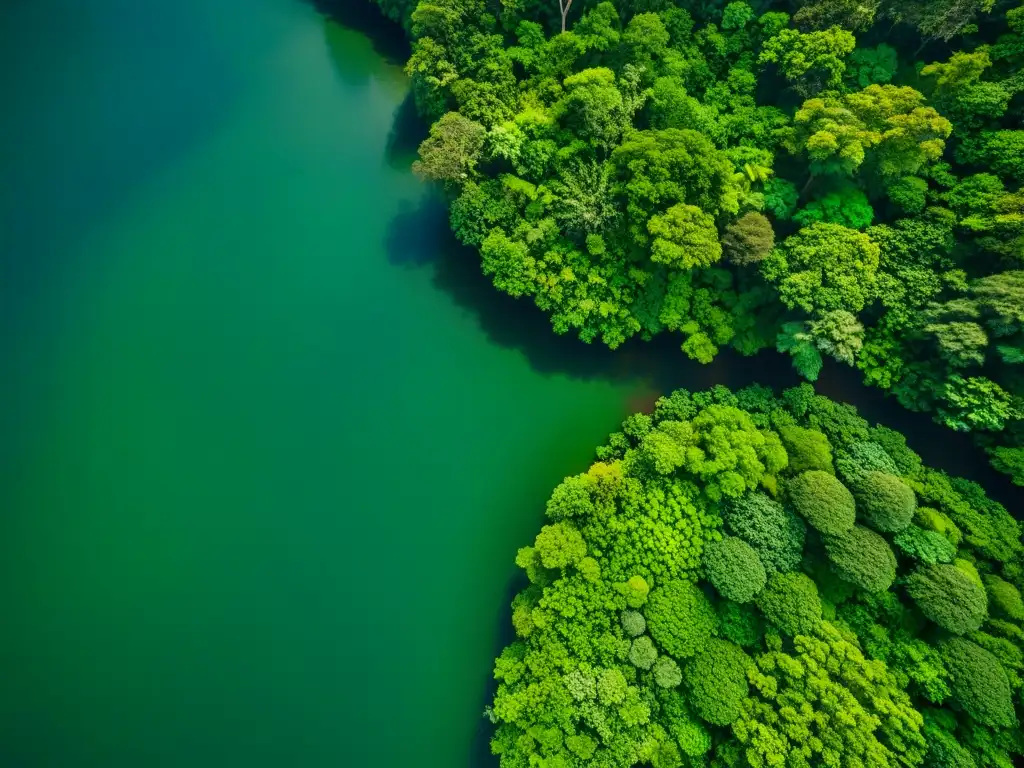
x: 263, y: 478
x: 269, y: 442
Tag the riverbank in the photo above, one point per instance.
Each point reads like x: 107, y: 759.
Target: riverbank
x: 659, y: 363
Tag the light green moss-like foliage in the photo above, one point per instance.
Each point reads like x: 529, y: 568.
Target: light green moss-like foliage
x: 790, y: 601
x: 884, y: 501
x: 631, y: 655
x: 969, y: 570
x: 934, y: 520
x: 680, y: 618
x: 734, y: 569
x: 642, y: 653
x: 633, y: 623
x: 1004, y: 598
x: 863, y: 558
x: 667, y: 673
x: 895, y: 446
x: 928, y: 547
x: 559, y: 546
x: 807, y: 448
x: 980, y: 684
x: 775, y: 533
x: 862, y: 457
x: 716, y: 679
x: 950, y: 598
x: 824, y: 502
x: 636, y: 590
x: 815, y: 705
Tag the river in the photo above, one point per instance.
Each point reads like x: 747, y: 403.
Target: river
x: 270, y: 442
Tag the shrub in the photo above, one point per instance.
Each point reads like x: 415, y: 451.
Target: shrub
x: 571, y: 498
x: 823, y: 501
x: 926, y: 546
x: 824, y: 704
x: 560, y: 545
x: 689, y: 732
x: 807, y: 448
x: 748, y: 239
x: 633, y: 623
x: 1005, y: 651
x: 895, y: 446
x: 934, y: 520
x: 636, y: 590
x: 611, y: 686
x: 790, y: 601
x: 967, y: 568
x: 943, y: 749
x: 734, y: 569
x: 1006, y: 629
x: 863, y: 558
x: 948, y: 597
x: 1004, y: 598
x: 885, y: 502
x: 862, y: 457
x: 716, y: 679
x: 667, y: 673
x: 775, y: 533
x: 629, y: 650
x: 740, y: 623
x: 680, y: 618
x: 642, y: 653
x: 979, y: 682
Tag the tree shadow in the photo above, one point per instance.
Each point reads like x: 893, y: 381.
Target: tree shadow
x: 408, y: 130
x: 363, y: 16
x: 480, y: 750
x: 419, y: 237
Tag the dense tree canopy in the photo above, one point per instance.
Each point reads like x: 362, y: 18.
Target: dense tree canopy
x: 673, y: 624
x: 830, y: 178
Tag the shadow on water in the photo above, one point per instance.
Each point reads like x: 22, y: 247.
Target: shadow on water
x: 362, y: 16
x: 480, y: 750
x: 407, y: 132
x: 388, y: 42
x: 419, y: 237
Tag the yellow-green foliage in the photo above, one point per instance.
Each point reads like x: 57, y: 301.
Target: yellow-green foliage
x: 680, y: 618
x: 947, y: 596
x: 824, y: 502
x: 634, y: 647
x: 1004, y: 598
x: 716, y: 680
x: 863, y: 558
x: 807, y: 448
x: 733, y: 568
x: 825, y: 704
x: 884, y: 501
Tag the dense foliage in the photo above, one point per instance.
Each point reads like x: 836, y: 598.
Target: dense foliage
x: 681, y: 612
x: 825, y: 177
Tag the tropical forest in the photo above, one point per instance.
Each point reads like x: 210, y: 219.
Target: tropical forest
x: 753, y: 578
x: 512, y: 384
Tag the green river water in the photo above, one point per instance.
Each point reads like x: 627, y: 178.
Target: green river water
x: 264, y: 478
x: 269, y: 442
